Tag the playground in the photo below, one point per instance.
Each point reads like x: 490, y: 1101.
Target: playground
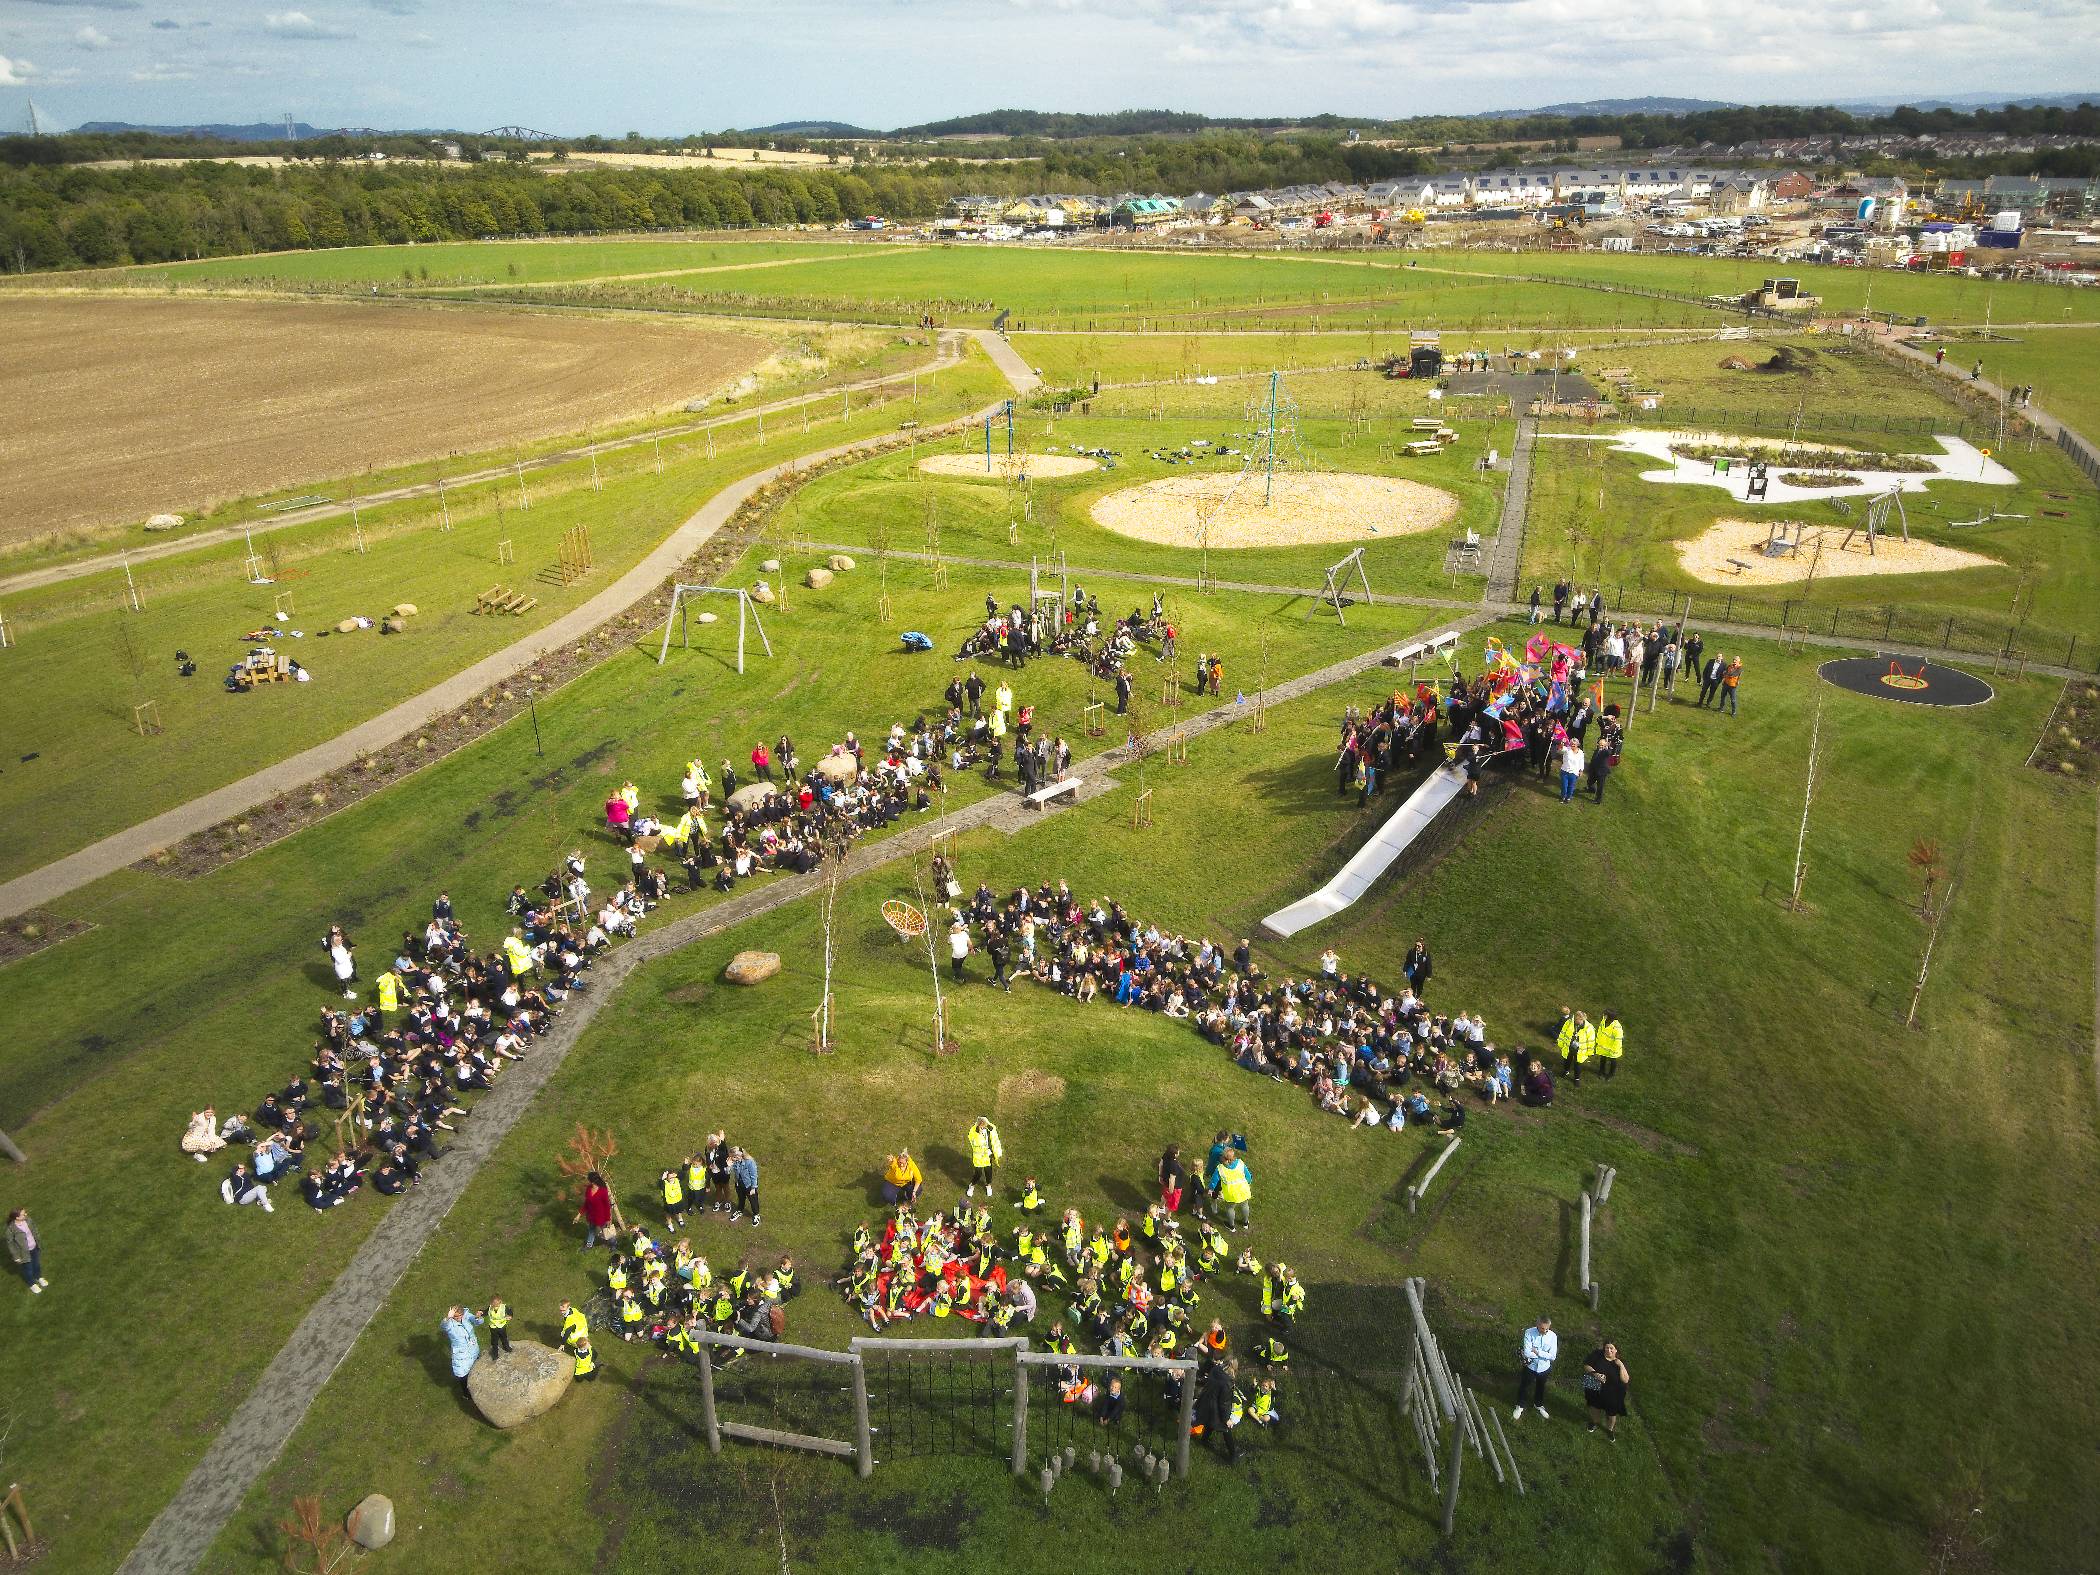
x: 1737, y: 552
x: 1300, y: 508
x: 1008, y: 467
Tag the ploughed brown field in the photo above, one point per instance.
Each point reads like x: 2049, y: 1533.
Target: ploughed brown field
x: 122, y: 408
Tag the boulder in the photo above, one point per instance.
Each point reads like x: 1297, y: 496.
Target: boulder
x: 160, y: 522
x: 762, y: 593
x: 528, y: 1382
x: 751, y: 795
x: 347, y: 626
x: 371, y: 1524
x: 817, y: 579
x: 771, y: 566
x: 404, y: 609
x: 838, y: 770
x: 709, y: 617
x: 840, y: 563
x: 752, y: 967
x: 392, y: 625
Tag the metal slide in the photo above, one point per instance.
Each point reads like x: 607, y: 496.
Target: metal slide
x: 1375, y: 857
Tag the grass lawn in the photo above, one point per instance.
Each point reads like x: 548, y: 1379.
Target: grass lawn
x: 190, y: 992
x: 2062, y: 366
x: 1590, y: 510
x: 1816, y: 1209
x: 1941, y: 297
x: 854, y: 506
x: 455, y: 263
x: 82, y: 663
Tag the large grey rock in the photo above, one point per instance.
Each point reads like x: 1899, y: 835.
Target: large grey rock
x: 527, y: 1382
x: 751, y: 795
x: 404, y: 609
x: 371, y: 1524
x: 838, y: 770
x: 840, y: 563
x: 771, y: 566
x: 752, y: 967
x: 160, y: 522
x: 817, y: 579
x: 708, y: 617
x: 762, y: 593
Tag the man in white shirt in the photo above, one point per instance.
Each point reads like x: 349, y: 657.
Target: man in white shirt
x: 1541, y: 1349
x: 1571, y: 764
x: 958, y: 948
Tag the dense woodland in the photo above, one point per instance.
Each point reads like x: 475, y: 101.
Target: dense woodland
x: 57, y: 212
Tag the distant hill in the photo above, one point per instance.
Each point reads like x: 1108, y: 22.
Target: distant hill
x: 1612, y: 106
x: 261, y: 131
x: 1967, y: 102
x: 815, y: 128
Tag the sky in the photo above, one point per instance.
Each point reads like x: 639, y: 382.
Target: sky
x: 672, y: 66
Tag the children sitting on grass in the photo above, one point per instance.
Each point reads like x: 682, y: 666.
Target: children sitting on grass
x: 443, y: 1023
x: 1352, y: 1044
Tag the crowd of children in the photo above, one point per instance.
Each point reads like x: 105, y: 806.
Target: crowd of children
x: 1351, y: 1043
x: 442, y: 1023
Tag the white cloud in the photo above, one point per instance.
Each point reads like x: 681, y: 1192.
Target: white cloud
x: 421, y: 40
x: 92, y: 37
x: 169, y: 25
x: 15, y: 73
x: 160, y: 71
x: 395, y: 7
x: 297, y: 24
x: 92, y: 5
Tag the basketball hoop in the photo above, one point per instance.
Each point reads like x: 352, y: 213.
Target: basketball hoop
x: 907, y: 921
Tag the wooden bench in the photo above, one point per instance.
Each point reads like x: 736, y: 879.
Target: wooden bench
x: 1424, y: 448
x: 1041, y: 797
x: 1426, y: 423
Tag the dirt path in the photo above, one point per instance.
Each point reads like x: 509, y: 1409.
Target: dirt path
x: 183, y: 1533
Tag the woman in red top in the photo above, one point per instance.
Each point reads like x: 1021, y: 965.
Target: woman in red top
x: 762, y: 763
x: 597, y: 1210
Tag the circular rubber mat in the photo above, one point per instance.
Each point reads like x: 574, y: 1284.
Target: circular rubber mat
x: 1909, y: 679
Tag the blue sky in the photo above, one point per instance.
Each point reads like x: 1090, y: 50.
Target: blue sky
x: 663, y: 66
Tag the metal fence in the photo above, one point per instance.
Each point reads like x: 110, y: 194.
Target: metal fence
x: 1866, y: 624
x: 2082, y: 453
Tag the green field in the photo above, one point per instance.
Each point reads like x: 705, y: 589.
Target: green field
x: 2063, y: 368
x: 1764, y: 1319
x: 1846, y: 1258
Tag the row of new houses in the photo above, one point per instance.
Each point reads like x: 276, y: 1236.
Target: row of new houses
x: 1600, y: 190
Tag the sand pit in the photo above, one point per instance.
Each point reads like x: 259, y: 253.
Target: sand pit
x: 1307, y: 507
x: 1038, y: 467
x: 1708, y: 556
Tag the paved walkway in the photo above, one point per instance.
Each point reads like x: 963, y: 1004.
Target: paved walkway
x: 1506, y: 553
x: 180, y: 1536
x: 114, y: 852
x: 947, y: 354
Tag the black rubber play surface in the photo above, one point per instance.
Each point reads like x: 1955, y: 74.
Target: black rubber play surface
x: 1909, y: 679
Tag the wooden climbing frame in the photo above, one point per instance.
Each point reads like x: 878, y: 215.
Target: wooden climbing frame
x: 502, y: 599
x: 145, y: 716
x: 574, y: 561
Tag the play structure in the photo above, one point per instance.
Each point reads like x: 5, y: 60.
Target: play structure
x: 746, y: 608
x: 1408, y: 822
x: 1332, y: 593
x: 1914, y: 683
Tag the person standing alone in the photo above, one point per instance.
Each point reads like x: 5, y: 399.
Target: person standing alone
x: 1604, y: 1381
x: 1541, y: 1350
x: 27, y: 1252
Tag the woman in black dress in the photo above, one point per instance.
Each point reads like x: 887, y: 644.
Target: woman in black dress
x: 1604, y: 1381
